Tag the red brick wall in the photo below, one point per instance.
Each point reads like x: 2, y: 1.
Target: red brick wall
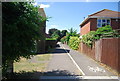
x: 115, y: 24
x: 90, y: 25
x: 93, y: 24
x: 85, y: 28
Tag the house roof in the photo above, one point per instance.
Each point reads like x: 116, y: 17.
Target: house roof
x: 105, y: 13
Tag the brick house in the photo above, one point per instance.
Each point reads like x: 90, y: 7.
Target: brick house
x: 40, y: 47
x: 100, y: 19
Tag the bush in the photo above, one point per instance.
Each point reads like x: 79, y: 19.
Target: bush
x: 89, y: 38
x: 103, y: 32
x: 63, y: 39
x: 74, y: 42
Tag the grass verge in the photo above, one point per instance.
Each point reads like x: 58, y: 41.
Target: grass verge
x: 31, y: 68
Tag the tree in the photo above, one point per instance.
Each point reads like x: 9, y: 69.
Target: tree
x: 21, y: 24
x: 71, y: 32
x: 56, y: 35
x: 74, y: 42
x: 63, y: 33
x: 51, y: 31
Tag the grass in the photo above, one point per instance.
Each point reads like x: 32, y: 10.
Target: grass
x: 45, y: 57
x: 36, y: 63
x: 31, y: 69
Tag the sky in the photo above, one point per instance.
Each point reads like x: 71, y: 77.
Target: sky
x: 66, y: 15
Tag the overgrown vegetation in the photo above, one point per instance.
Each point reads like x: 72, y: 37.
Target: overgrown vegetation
x: 71, y: 32
x: 21, y: 23
x: 89, y: 38
x: 63, y: 39
x: 71, y: 38
x: 74, y: 42
x: 57, y: 34
x: 103, y: 32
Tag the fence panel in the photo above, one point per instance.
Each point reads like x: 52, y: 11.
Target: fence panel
x: 98, y: 50
x: 109, y: 52
x: 106, y: 50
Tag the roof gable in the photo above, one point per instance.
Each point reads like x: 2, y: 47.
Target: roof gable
x: 106, y: 13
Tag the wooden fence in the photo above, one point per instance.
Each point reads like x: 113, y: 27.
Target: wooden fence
x: 105, y: 50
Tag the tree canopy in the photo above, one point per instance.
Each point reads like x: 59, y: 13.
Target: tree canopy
x: 51, y: 31
x: 21, y: 23
x: 63, y: 33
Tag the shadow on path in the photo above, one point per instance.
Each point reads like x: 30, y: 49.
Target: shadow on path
x: 35, y: 76
x: 58, y: 50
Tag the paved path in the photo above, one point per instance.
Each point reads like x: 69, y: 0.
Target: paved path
x: 88, y: 66
x: 61, y: 63
x: 68, y: 65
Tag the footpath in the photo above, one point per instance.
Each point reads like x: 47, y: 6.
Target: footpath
x: 70, y: 65
x: 87, y: 65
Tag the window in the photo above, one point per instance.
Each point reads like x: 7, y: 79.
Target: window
x: 103, y: 22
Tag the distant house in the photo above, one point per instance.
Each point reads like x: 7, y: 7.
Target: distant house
x: 41, y: 43
x: 100, y: 19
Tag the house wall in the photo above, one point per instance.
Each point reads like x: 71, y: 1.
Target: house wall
x: 85, y: 28
x: 115, y: 24
x: 90, y: 25
x: 93, y: 24
x: 41, y: 43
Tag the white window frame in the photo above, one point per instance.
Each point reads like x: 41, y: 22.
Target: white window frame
x: 102, y: 22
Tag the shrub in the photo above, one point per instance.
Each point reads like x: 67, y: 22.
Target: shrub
x: 74, y: 42
x: 63, y: 39
x: 89, y: 38
x: 71, y: 32
x: 102, y: 32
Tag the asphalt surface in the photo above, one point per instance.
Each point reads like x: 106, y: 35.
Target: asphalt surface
x: 88, y: 66
x: 61, y: 66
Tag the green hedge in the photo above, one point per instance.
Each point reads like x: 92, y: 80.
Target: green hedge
x: 50, y: 39
x: 89, y: 38
x: 74, y: 42
x: 102, y: 32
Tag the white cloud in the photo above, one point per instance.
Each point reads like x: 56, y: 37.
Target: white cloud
x: 53, y: 26
x: 44, y: 6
